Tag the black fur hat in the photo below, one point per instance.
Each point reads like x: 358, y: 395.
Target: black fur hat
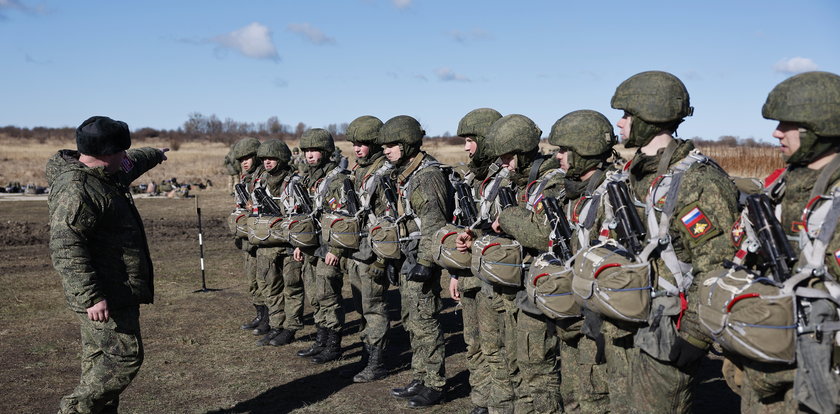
x: 100, y: 135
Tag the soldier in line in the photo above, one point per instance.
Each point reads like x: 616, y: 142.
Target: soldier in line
x: 585, y: 139
x: 245, y: 152
x: 99, y: 249
x: 807, y: 107
x: 233, y: 169
x: 322, y: 265
x: 464, y: 287
x: 278, y: 276
x: 365, y: 271
x: 685, y: 236
x: 424, y: 206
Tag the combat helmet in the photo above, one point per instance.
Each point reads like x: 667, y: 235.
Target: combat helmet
x: 318, y: 138
x: 513, y: 134
x: 277, y: 149
x: 658, y: 99
x: 405, y: 131
x: 245, y: 148
x: 477, y: 122
x: 811, y: 100
x: 587, y: 135
x: 364, y: 130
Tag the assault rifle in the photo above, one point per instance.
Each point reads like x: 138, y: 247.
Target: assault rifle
x: 267, y: 204
x: 775, y: 247
x: 466, y: 203
x: 390, y: 192
x: 507, y: 197
x: 304, y: 203
x: 241, y: 195
x: 352, y: 198
x: 561, y: 234
x: 629, y: 228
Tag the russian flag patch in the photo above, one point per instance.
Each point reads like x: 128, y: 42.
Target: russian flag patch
x: 696, y: 222
x: 837, y: 257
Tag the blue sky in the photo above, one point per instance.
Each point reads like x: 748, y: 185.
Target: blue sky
x: 152, y: 63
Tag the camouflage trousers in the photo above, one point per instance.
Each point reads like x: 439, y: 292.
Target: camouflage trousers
x: 322, y: 284
x: 660, y: 387
x: 369, y: 301
x: 112, y: 353
x: 469, y: 287
x: 251, y: 276
x: 420, y: 308
x: 279, y: 281
x: 584, y: 382
x: 496, y: 326
x: 764, y: 388
x: 619, y: 353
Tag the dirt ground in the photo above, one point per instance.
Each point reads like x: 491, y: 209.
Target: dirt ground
x: 197, y: 358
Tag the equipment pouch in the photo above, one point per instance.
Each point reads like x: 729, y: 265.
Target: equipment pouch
x: 549, y: 286
x: 447, y: 256
x: 750, y: 316
x: 498, y: 260
x: 659, y: 336
x: 266, y: 231
x: 384, y: 239
x: 302, y: 230
x: 340, y: 231
x: 608, y: 280
x: 238, y: 224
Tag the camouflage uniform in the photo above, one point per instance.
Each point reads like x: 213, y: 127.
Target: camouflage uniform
x: 92, y: 211
x: 278, y: 275
x: 233, y: 169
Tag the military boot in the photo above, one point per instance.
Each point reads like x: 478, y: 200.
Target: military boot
x: 317, y: 346
x: 410, y: 390
x: 286, y: 337
x: 375, y: 368
x: 262, y: 327
x: 352, y: 369
x: 272, y: 333
x: 332, y: 349
x: 426, y: 397
x: 254, y: 322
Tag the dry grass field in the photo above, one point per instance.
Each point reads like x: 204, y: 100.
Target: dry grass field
x: 197, y: 358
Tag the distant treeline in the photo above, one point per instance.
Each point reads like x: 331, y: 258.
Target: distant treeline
x: 199, y: 127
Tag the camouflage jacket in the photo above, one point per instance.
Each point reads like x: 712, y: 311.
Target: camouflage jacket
x: 232, y: 166
x: 325, y: 185
x: 706, y: 208
x: 527, y: 222
x: 427, y: 189
x: 274, y: 183
x: 97, y: 241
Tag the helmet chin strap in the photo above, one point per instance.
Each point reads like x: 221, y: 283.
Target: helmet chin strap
x: 811, y: 147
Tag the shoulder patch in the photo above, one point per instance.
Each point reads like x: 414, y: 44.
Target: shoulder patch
x: 837, y: 257
x: 696, y: 222
x: 737, y: 233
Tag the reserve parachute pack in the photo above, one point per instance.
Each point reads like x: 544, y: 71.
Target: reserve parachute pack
x: 783, y: 318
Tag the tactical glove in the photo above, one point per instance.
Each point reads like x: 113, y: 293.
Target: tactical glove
x: 392, y: 273
x: 420, y: 273
x: 684, y: 353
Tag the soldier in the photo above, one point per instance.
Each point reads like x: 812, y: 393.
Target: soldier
x: 685, y: 236
x: 245, y: 152
x: 365, y: 271
x: 298, y: 161
x: 464, y: 287
x: 807, y: 107
x: 233, y: 169
x: 99, y: 249
x: 586, y: 141
x: 423, y: 206
x: 322, y: 265
x: 278, y: 277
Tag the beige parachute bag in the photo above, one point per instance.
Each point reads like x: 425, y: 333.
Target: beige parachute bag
x: 498, y: 260
x: 549, y: 286
x: 267, y: 231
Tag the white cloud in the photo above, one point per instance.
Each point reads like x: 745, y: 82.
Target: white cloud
x: 7, y: 5
x: 313, y: 34
x: 253, y: 41
x: 402, y: 4
x: 447, y: 75
x: 795, y: 65
x: 472, y: 35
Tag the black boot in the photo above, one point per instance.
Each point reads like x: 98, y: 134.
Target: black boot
x: 351, y: 370
x: 317, y: 346
x: 247, y: 326
x: 262, y: 327
x: 375, y: 368
x: 480, y: 410
x: 332, y: 350
x: 272, y: 333
x: 426, y: 397
x: 410, y: 390
x: 286, y: 337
